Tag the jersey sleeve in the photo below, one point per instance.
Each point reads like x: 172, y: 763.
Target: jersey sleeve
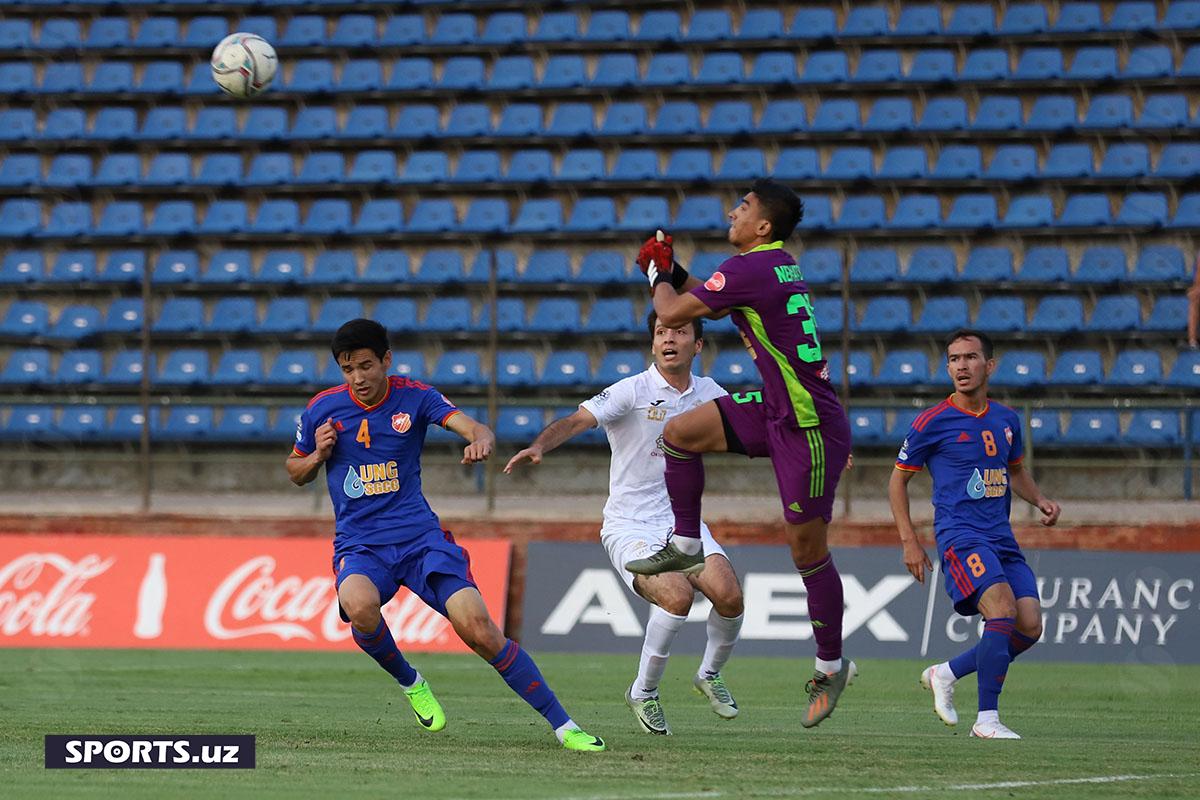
x: 916, y: 448
x: 708, y: 389
x: 611, y: 404
x: 436, y: 408
x: 731, y: 285
x: 1016, y: 450
x: 306, y: 438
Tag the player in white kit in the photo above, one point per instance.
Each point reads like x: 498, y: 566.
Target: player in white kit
x: 638, y: 517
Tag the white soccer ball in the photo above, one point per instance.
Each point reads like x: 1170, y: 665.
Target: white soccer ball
x: 243, y: 64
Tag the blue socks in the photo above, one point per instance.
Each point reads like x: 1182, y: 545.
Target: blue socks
x: 524, y: 678
x: 382, y: 647
x: 992, y: 660
x: 965, y: 662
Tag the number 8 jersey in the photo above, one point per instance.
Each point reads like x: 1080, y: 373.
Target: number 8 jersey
x: 968, y: 456
x: 772, y: 309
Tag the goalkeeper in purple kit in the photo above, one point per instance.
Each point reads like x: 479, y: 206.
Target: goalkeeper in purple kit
x: 795, y: 419
x: 368, y: 433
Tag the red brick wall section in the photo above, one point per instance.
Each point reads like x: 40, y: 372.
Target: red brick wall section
x: 1151, y: 537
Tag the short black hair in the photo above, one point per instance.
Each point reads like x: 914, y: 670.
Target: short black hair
x: 697, y: 324
x: 782, y: 207
x: 966, y: 333
x: 358, y: 334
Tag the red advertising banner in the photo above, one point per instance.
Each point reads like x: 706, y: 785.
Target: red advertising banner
x: 206, y: 592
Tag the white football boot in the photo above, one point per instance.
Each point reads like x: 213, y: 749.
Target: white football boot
x: 943, y: 694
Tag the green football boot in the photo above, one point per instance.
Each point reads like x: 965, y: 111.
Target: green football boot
x: 576, y: 739
x: 669, y: 559
x: 426, y: 707
x: 718, y: 694
x: 824, y: 691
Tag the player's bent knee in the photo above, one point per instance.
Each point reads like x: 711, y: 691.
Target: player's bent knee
x: 729, y: 606
x: 480, y: 634
x: 363, y: 616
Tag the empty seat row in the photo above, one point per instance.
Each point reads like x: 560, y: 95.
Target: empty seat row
x: 1048, y: 428
x: 1012, y: 162
x: 21, y: 218
x: 418, y: 121
x: 617, y: 70
x: 603, y: 26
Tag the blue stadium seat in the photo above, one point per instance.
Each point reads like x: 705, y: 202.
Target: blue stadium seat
x: 509, y: 73
x: 448, y: 314
x: 859, y: 368
x: 22, y: 266
x: 722, y: 69
x: 836, y: 116
x: 1142, y: 209
x: 264, y: 124
x: 942, y: 315
x: 504, y: 27
x: 603, y: 267
x: 67, y: 220
x: 107, y: 33
x: 73, y: 266
x: 699, y: 214
x: 20, y: 170
x: 124, y: 315
x: 510, y: 316
x: 931, y: 66
x: 1057, y: 314
x: 1040, y: 64
x: 1182, y: 15
x: 377, y: 216
x: 677, y: 117
x: 458, y: 368
x: 579, y: 166
x: 1163, y: 111
x: 292, y: 368
x: 1085, y: 210
x: 29, y: 422
x: 1020, y: 369
x: 425, y: 166
x: 890, y: 114
x: 180, y: 315
x: 984, y: 65
x: 278, y: 216
x: 1187, y: 212
x: 1149, y: 61
x: 555, y: 315
x: 186, y: 367
x: 233, y: 315
x: 825, y: 67
x: 861, y: 213
x: 28, y: 367
x: 304, y: 30
x: 416, y: 121
x: 958, y: 162
x: 314, y: 122
x: 311, y: 76
x: 1093, y: 64
x: 798, y: 163
x: 285, y: 315
x: 1101, y: 265
x: 173, y: 218
x: 813, y: 23
x: 733, y: 367
x: 624, y: 119
x: 238, y: 424
x: 667, y: 69
x: 402, y: 30
x: 364, y: 122
x: 1151, y: 428
x: 1068, y: 161
x: 204, y: 32
x: 162, y: 77
x: 1045, y: 427
x: 1159, y: 263
x: 168, y: 169
x: 1078, y: 18
x: 1135, y: 16
x: 1136, y: 368
x: 868, y: 426
x: 353, y: 30
x: 78, y: 367
x: 1190, y: 68
x: 828, y: 313
x: 547, y: 266
x: 335, y: 312
x: 282, y: 267
x: 17, y: 78
x: 1185, y: 372
x: 118, y: 123
x: 505, y: 265
x: 228, y: 266
x: 1115, y: 313
x: 211, y: 123
x: 591, y: 214
x: 515, y: 369
x: 519, y: 424
x: 901, y: 163
x: 123, y: 266
x: 1125, y: 160
x: 1077, y: 368
x: 635, y: 165
x: 915, y: 212
x: 611, y: 315
x: 17, y: 124
x: 462, y: 73
x: 948, y: 114
x: 1046, y: 264
x: 566, y: 369
x: 1052, y: 113
x: 62, y: 78
x: 878, y: 66
x: 111, y: 77
x: 1012, y: 162
x: 875, y: 265
x: 741, y: 164
x: 931, y: 265
x: 332, y: 267
x: 885, y: 315
x: 972, y: 212
x: 1179, y: 160
x: 903, y: 368
x: 373, y: 167
x: 126, y: 367
x: 783, y: 116
x: 972, y: 19
x: 988, y: 265
x: 615, y: 71
x: 118, y: 169
x: 689, y: 164
x: 730, y: 118
x: 564, y: 72
x: 538, y: 216
x: 385, y: 267
x: 997, y: 113
x: 454, y: 29
x: 1098, y: 428
x: 1029, y: 211
x: 238, y: 368
x: 56, y: 34
x: 466, y: 120
x: 659, y: 26
x: 433, y: 216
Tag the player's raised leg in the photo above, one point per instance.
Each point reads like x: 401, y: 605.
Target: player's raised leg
x: 685, y: 439
x: 720, y: 585
x: 360, y: 601
x: 469, y: 615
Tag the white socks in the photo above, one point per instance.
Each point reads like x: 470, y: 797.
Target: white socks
x: 829, y: 667
x: 660, y: 632
x: 988, y: 716
x: 561, y: 730
x: 722, y: 636
x: 416, y: 680
x: 687, y: 545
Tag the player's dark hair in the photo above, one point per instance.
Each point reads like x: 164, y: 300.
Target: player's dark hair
x: 358, y: 334
x: 966, y: 333
x: 697, y: 325
x: 782, y: 207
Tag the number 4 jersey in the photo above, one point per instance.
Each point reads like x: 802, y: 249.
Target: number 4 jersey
x: 772, y: 309
x: 969, y: 456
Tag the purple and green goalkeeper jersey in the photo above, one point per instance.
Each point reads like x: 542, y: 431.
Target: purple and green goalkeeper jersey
x: 774, y: 313
x: 374, y: 472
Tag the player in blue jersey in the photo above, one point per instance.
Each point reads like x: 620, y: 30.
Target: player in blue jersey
x: 368, y: 434
x: 973, y: 449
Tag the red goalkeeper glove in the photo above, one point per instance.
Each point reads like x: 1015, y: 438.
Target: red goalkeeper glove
x: 656, y: 259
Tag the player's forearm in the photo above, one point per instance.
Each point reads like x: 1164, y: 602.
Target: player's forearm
x: 669, y: 307
x: 558, y: 432
x: 901, y: 512
x: 303, y: 469
x: 1024, y: 487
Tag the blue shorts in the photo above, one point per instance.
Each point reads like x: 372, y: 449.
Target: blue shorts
x: 972, y: 565
x: 433, y: 568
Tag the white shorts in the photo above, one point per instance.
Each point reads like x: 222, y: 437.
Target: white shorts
x: 624, y: 544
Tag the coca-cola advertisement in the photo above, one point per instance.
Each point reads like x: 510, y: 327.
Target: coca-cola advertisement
x: 205, y: 592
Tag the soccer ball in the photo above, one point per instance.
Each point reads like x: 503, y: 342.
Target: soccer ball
x: 243, y: 64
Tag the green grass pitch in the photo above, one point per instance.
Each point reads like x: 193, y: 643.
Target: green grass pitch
x: 334, y: 725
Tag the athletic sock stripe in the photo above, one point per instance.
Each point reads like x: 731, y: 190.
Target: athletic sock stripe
x: 683, y: 455
x: 507, y: 661
x: 805, y: 573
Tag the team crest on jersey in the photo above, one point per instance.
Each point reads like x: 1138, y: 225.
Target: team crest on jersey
x: 716, y: 283
x: 655, y: 414
x: 401, y: 422
x: 903, y: 454
x: 1008, y: 435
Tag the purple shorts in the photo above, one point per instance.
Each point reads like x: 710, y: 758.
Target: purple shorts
x: 808, y: 461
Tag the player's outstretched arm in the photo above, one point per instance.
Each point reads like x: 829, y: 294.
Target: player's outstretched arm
x: 916, y: 560
x: 480, y: 437
x: 554, y: 434
x: 302, y: 469
x: 1026, y: 488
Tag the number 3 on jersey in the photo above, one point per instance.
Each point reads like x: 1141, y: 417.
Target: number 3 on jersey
x: 808, y: 352
x: 364, y: 434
